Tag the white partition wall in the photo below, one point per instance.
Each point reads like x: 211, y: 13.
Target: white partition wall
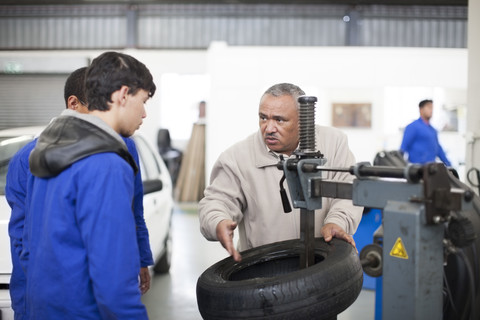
x: 231, y: 80
x: 391, y: 80
x: 473, y: 122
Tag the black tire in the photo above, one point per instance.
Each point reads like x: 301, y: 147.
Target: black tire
x: 165, y: 261
x: 268, y: 283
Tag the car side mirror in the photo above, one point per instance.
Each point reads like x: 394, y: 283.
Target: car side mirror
x: 153, y: 185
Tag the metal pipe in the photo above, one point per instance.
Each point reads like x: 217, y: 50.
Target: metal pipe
x: 413, y: 173
x: 307, y: 237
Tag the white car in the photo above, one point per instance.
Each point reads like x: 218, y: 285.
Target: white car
x: 157, y: 201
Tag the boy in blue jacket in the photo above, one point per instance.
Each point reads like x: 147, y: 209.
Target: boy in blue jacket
x: 80, y: 234
x: 16, y: 192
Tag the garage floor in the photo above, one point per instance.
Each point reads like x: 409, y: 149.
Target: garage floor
x: 172, y: 296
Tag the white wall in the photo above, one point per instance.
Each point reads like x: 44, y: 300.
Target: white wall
x: 473, y: 127
x: 232, y: 79
x: 160, y: 63
x: 393, y: 80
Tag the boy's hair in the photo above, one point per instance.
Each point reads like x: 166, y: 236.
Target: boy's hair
x: 109, y: 72
x: 75, y: 86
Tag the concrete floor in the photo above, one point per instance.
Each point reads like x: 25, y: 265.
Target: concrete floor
x: 172, y: 296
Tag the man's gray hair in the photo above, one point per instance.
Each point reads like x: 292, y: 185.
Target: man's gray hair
x: 285, y: 89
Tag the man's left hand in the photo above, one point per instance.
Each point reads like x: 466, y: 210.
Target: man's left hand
x: 331, y: 230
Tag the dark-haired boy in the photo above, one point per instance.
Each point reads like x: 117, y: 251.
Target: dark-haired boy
x: 80, y: 229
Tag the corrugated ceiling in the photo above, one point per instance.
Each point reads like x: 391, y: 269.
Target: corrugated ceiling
x: 299, y: 2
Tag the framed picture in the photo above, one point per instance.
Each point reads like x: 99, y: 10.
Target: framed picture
x: 355, y: 115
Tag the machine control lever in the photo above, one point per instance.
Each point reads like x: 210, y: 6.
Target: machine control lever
x: 283, y: 194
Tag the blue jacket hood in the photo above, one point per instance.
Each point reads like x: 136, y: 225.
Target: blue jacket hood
x: 70, y: 138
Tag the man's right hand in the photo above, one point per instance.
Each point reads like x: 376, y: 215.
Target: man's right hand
x: 225, y: 230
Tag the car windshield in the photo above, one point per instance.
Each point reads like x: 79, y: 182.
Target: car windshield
x: 8, y: 147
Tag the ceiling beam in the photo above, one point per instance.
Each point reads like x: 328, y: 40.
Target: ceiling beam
x: 298, y: 2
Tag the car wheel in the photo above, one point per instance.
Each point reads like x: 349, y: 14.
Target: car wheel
x: 163, y: 265
x: 269, y: 284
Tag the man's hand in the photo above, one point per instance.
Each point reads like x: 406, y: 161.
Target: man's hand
x: 331, y: 230
x: 144, y: 280
x: 225, y: 230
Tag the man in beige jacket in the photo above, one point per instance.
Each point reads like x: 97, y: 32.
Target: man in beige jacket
x: 244, y: 183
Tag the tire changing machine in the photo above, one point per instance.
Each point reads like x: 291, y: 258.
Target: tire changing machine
x: 417, y: 202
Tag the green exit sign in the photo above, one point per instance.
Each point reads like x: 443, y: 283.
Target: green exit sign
x: 12, y: 67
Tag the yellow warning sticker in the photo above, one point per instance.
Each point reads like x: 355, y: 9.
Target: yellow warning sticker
x: 399, y: 250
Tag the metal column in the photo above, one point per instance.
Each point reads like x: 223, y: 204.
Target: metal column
x: 412, y: 263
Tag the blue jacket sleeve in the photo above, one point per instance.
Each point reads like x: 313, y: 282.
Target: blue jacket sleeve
x: 15, y: 193
x: 143, y: 239
x: 107, y: 229
x: 408, y: 137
